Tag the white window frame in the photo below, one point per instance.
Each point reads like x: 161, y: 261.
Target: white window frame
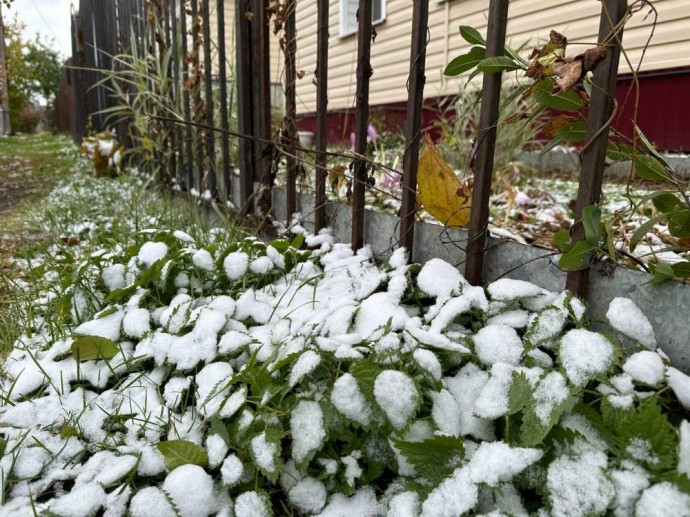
x: 348, y: 20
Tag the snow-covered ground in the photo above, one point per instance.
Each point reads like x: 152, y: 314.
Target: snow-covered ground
x: 208, y: 374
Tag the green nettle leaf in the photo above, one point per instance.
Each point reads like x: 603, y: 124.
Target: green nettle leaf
x: 182, y: 452
x: 679, y: 224
x: 3, y: 446
x: 649, y: 168
x: 498, y: 64
x: 465, y: 62
x: 666, y: 202
x: 644, y: 427
x: 573, y: 131
x: 365, y: 372
x: 88, y: 348
x: 579, y: 257
x: 471, y: 35
x: 533, y: 431
x: 434, y: 458
x: 297, y: 241
x: 120, y: 294
x: 218, y: 427
x: 564, y: 101
x: 520, y: 394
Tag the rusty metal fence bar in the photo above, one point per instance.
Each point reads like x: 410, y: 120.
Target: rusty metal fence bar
x: 364, y: 71
x: 600, y: 110
x: 97, y: 28
x: 210, y: 181
x: 226, y: 189
x: 415, y: 103
x: 486, y: 138
x: 289, y: 123
x: 321, y: 113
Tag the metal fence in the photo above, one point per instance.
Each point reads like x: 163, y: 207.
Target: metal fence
x: 102, y: 29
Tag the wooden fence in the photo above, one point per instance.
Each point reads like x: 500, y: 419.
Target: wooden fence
x: 102, y: 29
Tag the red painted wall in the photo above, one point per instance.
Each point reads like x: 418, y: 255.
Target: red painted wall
x: 663, y: 112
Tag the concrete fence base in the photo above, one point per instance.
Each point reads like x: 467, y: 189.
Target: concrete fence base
x: 666, y: 305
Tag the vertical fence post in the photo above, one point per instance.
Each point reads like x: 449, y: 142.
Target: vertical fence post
x: 198, y: 115
x: 488, y: 118
x: 290, y: 108
x: 361, y: 120
x: 177, y: 93
x: 321, y: 112
x: 223, y: 80
x: 210, y: 174
x: 600, y: 110
x: 415, y: 103
x: 243, y: 73
x: 186, y: 100
x: 261, y: 105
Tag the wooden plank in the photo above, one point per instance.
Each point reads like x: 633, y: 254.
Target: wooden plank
x: 244, y: 104
x: 209, y: 180
x: 186, y: 102
x: 224, y: 120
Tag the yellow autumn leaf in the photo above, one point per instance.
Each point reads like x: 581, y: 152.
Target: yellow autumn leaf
x: 337, y: 178
x: 439, y: 190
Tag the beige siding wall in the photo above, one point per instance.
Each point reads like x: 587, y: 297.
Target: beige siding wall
x: 529, y: 21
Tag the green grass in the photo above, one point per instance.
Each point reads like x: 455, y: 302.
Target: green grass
x: 55, y: 230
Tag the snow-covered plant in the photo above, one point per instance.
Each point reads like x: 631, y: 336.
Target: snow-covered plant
x: 256, y: 378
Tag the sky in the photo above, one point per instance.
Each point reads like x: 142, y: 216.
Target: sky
x: 50, y: 18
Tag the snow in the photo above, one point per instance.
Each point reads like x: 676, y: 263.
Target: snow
x: 628, y: 319
x: 439, y: 279
x: 663, y: 500
x: 81, y: 501
x: 114, y: 277
x: 308, y: 495
x: 136, y: 322
x: 397, y: 396
x: 454, y: 496
x: 251, y: 504
x: 231, y: 470
x: 509, y: 289
x: 235, y: 265
x: 516, y: 319
x: 216, y: 449
x: 578, y: 486
x: 183, y: 237
x: 191, y: 489
x: 107, y: 326
x: 428, y: 361
x: 492, y: 401
x: 684, y: 449
x: 203, y: 260
x: 361, y: 504
x: 349, y: 400
x: 496, y: 462
x: 376, y: 311
x: 645, y: 367
x: 551, y: 391
x: 680, y: 384
x: 264, y: 452
x: 446, y: 413
x: 498, y: 343
x: 629, y: 481
x: 352, y: 469
x: 151, y: 252
x: 465, y: 387
x: 306, y: 427
x: 305, y: 364
x: 404, y: 504
x: 261, y: 265
x: 585, y: 354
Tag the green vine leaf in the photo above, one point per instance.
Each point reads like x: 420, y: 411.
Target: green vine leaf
x: 579, y: 257
x: 182, y: 452
x: 465, y: 62
x: 89, y: 348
